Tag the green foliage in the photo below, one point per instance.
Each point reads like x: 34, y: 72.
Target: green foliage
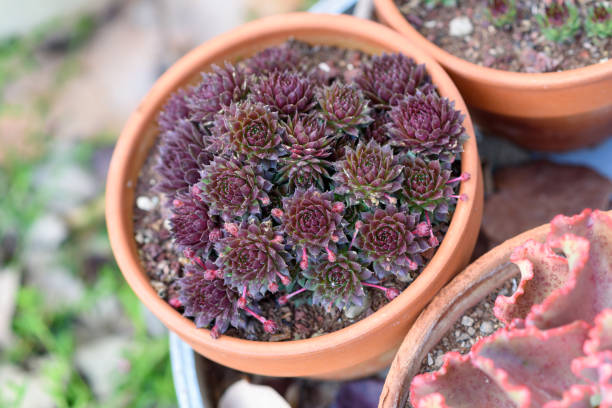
x: 435, y: 3
x: 501, y: 12
x: 598, y: 22
x: 560, y: 21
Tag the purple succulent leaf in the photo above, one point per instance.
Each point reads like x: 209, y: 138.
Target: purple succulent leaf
x: 182, y: 155
x: 344, y: 108
x: 218, y: 89
x: 303, y: 173
x: 252, y: 258
x: 310, y: 221
x: 390, y: 77
x: 370, y: 173
x: 277, y: 58
x: 174, y: 111
x: 232, y: 189
x: 208, y: 300
x: 425, y: 187
x: 338, y: 283
x: 306, y: 136
x: 427, y: 124
x: 387, y: 238
x: 285, y: 91
x: 191, y: 225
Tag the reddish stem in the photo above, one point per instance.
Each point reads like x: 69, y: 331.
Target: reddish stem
x: 304, y: 261
x: 331, y: 257
x: 390, y: 293
x: 463, y: 177
x: 285, y: 298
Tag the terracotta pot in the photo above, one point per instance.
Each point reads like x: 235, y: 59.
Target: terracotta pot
x: 551, y: 111
x: 361, y: 348
x: 465, y: 291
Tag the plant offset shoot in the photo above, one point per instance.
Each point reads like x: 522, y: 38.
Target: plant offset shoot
x: 501, y: 12
x: 289, y: 180
x: 560, y: 21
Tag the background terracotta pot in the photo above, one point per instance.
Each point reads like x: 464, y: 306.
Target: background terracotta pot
x: 551, y: 111
x: 361, y: 348
x: 465, y: 291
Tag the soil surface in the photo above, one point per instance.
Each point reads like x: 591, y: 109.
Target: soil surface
x: 520, y: 47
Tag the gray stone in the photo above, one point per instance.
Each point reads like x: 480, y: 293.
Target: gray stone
x: 60, y: 288
x: 467, y: 321
x: 245, y: 395
x: 13, y: 380
x: 9, y: 285
x: 487, y: 327
x: 101, y: 361
x: 460, y: 26
x: 353, y: 311
x: 46, y: 233
x: 146, y: 203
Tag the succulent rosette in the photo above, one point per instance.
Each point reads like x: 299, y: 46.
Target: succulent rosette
x: 338, y: 283
x: 390, y: 77
x: 392, y: 240
x: 271, y: 59
x: 174, y: 111
x: 251, y: 129
x: 286, y: 91
x: 344, y: 108
x: 233, y: 189
x: 191, y: 226
x: 369, y: 174
x: 303, y: 173
x: 252, y: 258
x: 182, y: 156
x: 426, y: 187
x: 311, y: 219
x: 307, y: 136
x: 266, y: 166
x: 217, y: 90
x: 208, y: 300
x: 427, y: 124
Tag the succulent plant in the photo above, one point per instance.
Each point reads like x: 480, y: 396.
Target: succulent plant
x: 174, y: 111
x: 598, y: 22
x: 217, y: 90
x: 208, y: 299
x: 445, y: 3
x: 392, y: 240
x: 390, y: 77
x: 251, y: 130
x: 369, y: 174
x: 232, y: 189
x: 427, y: 187
x: 556, y: 351
x: 311, y: 220
x: 182, y: 156
x: 272, y: 59
x: 267, y: 164
x: 191, y: 226
x: 287, y: 92
x: 303, y: 173
x: 344, y: 108
x: 378, y: 129
x: 560, y: 20
x: 307, y: 136
x: 428, y: 125
x: 501, y: 12
x: 337, y: 283
x: 252, y: 258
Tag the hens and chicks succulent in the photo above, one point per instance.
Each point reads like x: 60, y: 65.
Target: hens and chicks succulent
x: 556, y: 348
x: 290, y: 174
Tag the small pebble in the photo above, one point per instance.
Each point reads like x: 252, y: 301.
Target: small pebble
x: 430, y: 360
x: 486, y: 327
x: 460, y: 27
x: 471, y: 331
x: 430, y: 23
x: 145, y: 203
x: 467, y: 321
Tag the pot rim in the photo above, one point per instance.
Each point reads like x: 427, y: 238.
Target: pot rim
x: 389, y: 13
x: 365, y: 35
